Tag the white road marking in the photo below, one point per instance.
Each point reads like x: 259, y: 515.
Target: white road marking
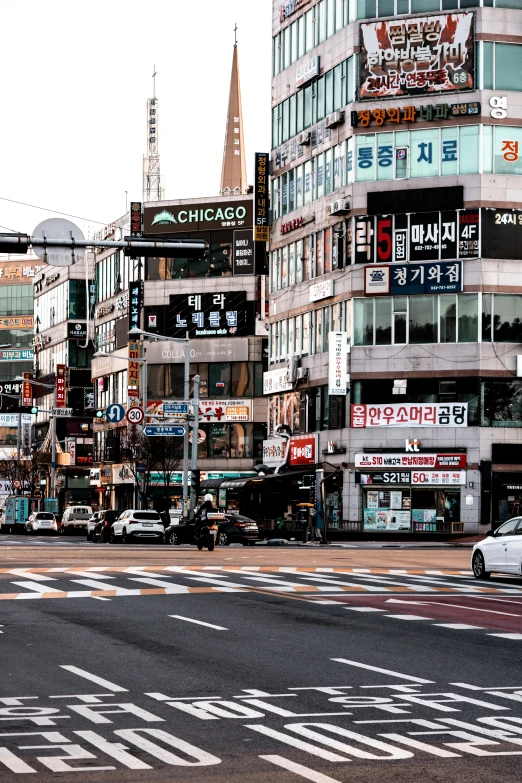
x: 304, y: 772
x: 88, y: 574
x: 407, y: 617
x: 455, y: 606
x: 460, y: 627
x: 99, y: 598
x: 169, y: 587
x: 26, y: 573
x: 294, y: 742
x: 507, y: 635
x: 110, y: 686
x: 413, y: 743
x: 13, y: 763
x: 361, y: 608
x: 198, y: 622
x: 38, y: 588
x: 383, y: 671
x: 101, y: 586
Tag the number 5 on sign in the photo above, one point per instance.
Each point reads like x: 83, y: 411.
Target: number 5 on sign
x: 135, y: 415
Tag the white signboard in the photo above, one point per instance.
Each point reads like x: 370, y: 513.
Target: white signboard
x: 307, y: 71
x: 452, y: 478
x: 410, y: 415
x: 274, y: 452
x: 210, y: 411
x: 426, y: 461
x: 275, y: 381
x: 321, y: 290
x: 376, y: 280
x: 337, y: 357
x: 11, y: 419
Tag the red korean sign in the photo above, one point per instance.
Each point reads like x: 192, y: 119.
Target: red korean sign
x: 418, y: 55
x: 303, y: 450
x: 133, y: 379
x: 27, y: 390
x: 60, y: 386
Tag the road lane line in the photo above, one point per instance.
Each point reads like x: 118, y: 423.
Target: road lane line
x: 110, y: 686
x: 304, y: 772
x: 507, y: 635
x: 170, y: 588
x: 454, y: 606
x: 198, y: 622
x: 460, y: 626
x: 101, y: 586
x: 361, y: 608
x: 383, y: 671
x: 26, y: 573
x: 407, y: 617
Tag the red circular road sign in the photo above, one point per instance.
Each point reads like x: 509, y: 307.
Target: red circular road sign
x: 17, y: 484
x: 135, y: 415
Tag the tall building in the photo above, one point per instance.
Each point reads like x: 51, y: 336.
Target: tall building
x: 395, y: 286
x: 213, y: 298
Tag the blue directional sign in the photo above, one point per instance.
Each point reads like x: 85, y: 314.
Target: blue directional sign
x: 115, y: 413
x: 175, y: 408
x: 165, y: 431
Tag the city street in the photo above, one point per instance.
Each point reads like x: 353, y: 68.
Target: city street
x: 264, y: 664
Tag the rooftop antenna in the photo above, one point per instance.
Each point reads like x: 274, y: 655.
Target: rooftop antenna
x: 152, y: 183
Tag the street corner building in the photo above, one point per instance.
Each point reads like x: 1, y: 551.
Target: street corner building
x: 395, y: 290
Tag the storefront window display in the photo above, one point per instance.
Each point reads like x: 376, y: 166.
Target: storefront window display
x: 409, y: 509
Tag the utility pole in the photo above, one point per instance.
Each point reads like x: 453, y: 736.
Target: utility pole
x: 195, y: 428
x: 186, y: 393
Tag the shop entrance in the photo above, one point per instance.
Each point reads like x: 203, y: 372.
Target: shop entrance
x: 507, y: 497
x: 410, y: 509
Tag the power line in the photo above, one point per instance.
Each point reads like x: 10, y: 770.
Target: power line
x: 55, y: 211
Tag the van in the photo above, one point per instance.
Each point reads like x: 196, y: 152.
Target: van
x: 75, y: 517
x: 16, y: 511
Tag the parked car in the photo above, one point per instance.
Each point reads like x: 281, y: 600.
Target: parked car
x: 75, y: 518
x: 500, y: 551
x: 101, y: 530
x: 91, y: 523
x: 41, y: 522
x: 136, y: 525
x: 232, y: 528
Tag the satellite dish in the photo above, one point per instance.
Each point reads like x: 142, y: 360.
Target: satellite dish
x: 53, y: 254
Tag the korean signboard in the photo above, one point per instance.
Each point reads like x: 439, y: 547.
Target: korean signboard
x: 133, y: 372
x: 429, y: 113
x: 417, y: 56
x: 27, y: 389
x: 274, y: 452
x: 439, y: 277
x: 261, y: 200
x: 135, y: 218
x: 417, y: 477
x: 337, y: 358
x: 502, y: 233
x: 60, y: 376
x: 303, y: 450
x: 206, y: 216
x: 76, y: 331
x: 423, y: 236
x: 307, y: 71
x: 321, y: 290
x: 14, y: 272
x: 208, y: 315
x: 17, y: 322
x: 210, y: 411
x: 410, y: 415
x: 8, y: 356
x: 291, y: 7
x: 275, y: 381
x: 234, y: 349
x: 398, y: 460
x: 135, y: 304
x: 243, y: 253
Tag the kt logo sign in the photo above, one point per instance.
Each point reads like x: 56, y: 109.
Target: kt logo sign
x: 412, y: 445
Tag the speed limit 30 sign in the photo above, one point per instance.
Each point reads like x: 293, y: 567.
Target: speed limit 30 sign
x: 135, y: 415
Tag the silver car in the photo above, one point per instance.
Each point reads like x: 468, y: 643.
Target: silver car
x: 41, y: 522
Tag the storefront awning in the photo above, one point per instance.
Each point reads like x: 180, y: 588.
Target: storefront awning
x: 242, y: 482
x: 211, y: 483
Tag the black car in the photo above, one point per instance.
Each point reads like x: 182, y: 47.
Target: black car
x: 102, y: 527
x: 232, y: 529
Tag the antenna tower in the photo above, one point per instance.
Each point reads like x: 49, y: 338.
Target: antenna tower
x: 152, y: 186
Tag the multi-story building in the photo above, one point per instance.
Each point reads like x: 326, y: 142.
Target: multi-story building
x: 212, y: 297
x: 397, y: 226
x: 63, y: 305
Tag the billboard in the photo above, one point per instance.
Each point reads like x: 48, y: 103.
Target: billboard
x: 208, y: 314
x: 401, y: 279
x: 189, y: 218
x: 337, y: 356
x: 417, y: 56
x: 410, y: 415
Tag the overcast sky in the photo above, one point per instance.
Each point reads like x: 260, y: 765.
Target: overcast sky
x: 75, y: 80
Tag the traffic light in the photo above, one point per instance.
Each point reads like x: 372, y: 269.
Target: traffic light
x: 195, y: 478
x: 100, y: 414
x: 34, y: 410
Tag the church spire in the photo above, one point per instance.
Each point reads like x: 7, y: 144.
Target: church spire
x: 233, y: 173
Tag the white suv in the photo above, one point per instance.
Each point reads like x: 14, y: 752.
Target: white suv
x: 41, y: 521
x: 135, y: 524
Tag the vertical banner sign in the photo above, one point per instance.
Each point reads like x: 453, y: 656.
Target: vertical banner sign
x: 338, y: 352
x: 243, y: 253
x: 26, y: 438
x: 135, y: 219
x: 133, y: 379
x: 261, y: 201
x: 27, y: 390
x: 60, y: 385
x: 135, y: 304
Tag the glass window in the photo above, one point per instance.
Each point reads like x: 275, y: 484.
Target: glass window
x: 338, y: 101
x: 291, y: 190
x: 308, y: 182
x: 320, y: 10
x: 349, y: 81
x: 450, y: 147
x: 329, y: 81
x: 386, y: 8
x: 486, y: 49
x: 400, y: 307
x: 242, y: 379
x: 319, y: 86
x: 297, y: 327
x: 508, y: 150
x: 298, y: 179
x: 487, y: 149
x: 383, y: 323
x: 241, y: 440
x: 219, y: 376
x: 294, y: 42
x: 507, y: 319
x: 366, y: 9
x: 468, y: 318
x: 365, y: 155
x: 469, y: 149
x: 363, y: 321
x: 418, y: 6
x: 307, y: 106
x: 384, y: 156
x: 301, y: 26
x: 423, y: 319
x: 299, y: 111
x: 218, y: 440
x: 425, y: 154
x: 448, y: 318
x: 291, y: 264
x: 328, y: 171
x: 286, y: 119
x: 306, y: 258
x: 338, y: 14
x: 318, y: 331
x: 292, y: 119
x: 284, y: 267
x: 286, y: 46
x: 487, y: 304
x: 310, y: 25
x: 319, y: 254
x: 502, y: 403
x: 330, y: 24
x: 319, y: 175
x: 327, y: 250
x: 306, y: 332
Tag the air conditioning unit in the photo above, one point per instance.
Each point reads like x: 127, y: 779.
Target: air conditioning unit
x: 341, y: 206
x: 336, y: 118
x: 302, y: 373
x: 305, y: 138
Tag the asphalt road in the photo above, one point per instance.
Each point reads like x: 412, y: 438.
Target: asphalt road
x: 121, y: 664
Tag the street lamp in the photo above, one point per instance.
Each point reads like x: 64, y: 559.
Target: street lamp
x: 53, y: 428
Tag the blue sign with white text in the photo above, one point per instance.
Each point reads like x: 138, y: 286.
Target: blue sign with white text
x: 164, y: 431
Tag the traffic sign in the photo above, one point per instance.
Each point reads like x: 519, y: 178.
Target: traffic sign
x: 175, y: 408
x: 115, y: 413
x: 164, y: 431
x: 17, y: 484
x: 53, y: 253
x: 135, y: 415
x: 63, y: 412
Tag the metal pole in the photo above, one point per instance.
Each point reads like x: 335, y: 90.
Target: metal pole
x: 186, y: 396
x: 195, y: 427
x: 53, y: 447
x: 18, y: 447
x: 144, y: 378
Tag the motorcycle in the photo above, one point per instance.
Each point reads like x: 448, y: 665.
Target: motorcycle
x: 207, y: 537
